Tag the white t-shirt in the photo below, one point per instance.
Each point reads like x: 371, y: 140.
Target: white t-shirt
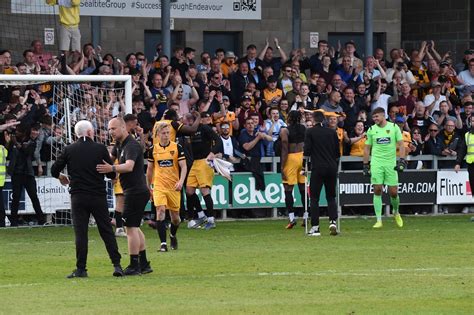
x: 430, y: 99
x: 381, y: 102
x: 228, y: 148
x: 276, y: 129
x: 187, y: 91
x: 287, y: 85
x: 466, y: 77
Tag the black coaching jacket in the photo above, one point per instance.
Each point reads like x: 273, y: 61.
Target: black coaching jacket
x: 81, y: 159
x: 322, y: 145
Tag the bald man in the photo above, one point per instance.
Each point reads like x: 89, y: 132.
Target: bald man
x: 135, y: 190
x: 88, y: 194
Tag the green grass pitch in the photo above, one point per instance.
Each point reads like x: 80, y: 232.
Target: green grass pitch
x: 252, y: 267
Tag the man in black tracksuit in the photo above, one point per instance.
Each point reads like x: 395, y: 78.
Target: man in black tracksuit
x: 88, y: 194
x: 322, y: 145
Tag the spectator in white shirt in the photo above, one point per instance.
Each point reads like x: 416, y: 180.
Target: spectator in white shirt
x: 273, y: 127
x: 466, y: 77
x: 433, y: 100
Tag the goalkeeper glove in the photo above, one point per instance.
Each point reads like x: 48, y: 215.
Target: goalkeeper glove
x: 401, y: 165
x: 366, y: 170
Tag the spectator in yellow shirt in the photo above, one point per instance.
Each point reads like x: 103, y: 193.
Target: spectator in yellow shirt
x: 69, y: 18
x: 271, y: 94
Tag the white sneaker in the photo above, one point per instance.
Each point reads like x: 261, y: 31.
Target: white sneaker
x: 120, y: 232
x: 465, y: 210
x: 314, y: 231
x: 191, y: 224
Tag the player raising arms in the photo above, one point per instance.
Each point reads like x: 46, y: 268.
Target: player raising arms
x: 204, y: 144
x: 381, y: 145
x: 166, y: 171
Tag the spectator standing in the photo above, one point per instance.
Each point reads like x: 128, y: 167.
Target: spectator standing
x: 69, y: 18
x: 433, y: 100
x: 230, y: 146
x: 433, y: 142
x: 466, y: 150
x: 266, y: 56
x: 466, y: 77
x: 240, y: 80
x: 21, y: 153
x: 251, y: 144
x: 332, y: 104
x: 273, y: 126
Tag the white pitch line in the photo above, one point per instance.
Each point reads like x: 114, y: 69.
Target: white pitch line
x: 354, y: 273
x: 45, y: 242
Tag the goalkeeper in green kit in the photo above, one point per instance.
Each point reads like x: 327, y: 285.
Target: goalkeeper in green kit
x: 381, y: 145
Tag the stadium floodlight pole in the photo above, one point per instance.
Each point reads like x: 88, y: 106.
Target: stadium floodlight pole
x: 165, y: 27
x: 17, y: 79
x: 368, y: 27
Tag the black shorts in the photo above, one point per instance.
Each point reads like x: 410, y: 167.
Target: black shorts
x: 134, y: 208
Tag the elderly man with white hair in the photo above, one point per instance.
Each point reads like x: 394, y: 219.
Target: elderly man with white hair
x: 88, y: 194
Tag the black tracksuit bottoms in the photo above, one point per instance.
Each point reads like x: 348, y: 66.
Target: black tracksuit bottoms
x: 83, y: 205
x: 320, y: 176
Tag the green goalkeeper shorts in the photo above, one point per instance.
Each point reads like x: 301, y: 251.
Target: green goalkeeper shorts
x: 383, y: 175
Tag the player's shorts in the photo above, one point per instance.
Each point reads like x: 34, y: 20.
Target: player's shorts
x: 118, y: 190
x: 293, y: 168
x: 201, y: 175
x: 69, y: 37
x: 134, y: 208
x: 383, y: 175
x: 171, y: 199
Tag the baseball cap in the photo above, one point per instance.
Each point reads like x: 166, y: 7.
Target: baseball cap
x: 435, y: 83
x: 225, y: 97
x: 245, y: 97
x: 229, y: 54
x: 469, y: 52
x: 399, y: 120
x: 272, y: 78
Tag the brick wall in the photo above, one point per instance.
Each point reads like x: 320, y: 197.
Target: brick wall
x: 122, y: 35
x: 447, y: 22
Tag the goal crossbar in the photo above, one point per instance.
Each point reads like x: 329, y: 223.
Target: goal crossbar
x: 127, y: 79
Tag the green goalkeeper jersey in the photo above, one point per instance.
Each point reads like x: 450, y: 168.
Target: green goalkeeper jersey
x: 384, y: 143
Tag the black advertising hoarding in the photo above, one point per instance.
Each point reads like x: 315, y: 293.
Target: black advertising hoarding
x: 413, y: 188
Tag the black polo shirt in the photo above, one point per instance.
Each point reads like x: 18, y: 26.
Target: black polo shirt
x: 133, y: 182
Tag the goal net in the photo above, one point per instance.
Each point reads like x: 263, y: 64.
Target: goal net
x: 54, y: 104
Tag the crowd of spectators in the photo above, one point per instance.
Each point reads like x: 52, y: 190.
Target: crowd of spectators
x: 427, y: 94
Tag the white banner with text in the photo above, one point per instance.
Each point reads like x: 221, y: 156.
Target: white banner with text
x: 453, y: 188
x: 197, y: 9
